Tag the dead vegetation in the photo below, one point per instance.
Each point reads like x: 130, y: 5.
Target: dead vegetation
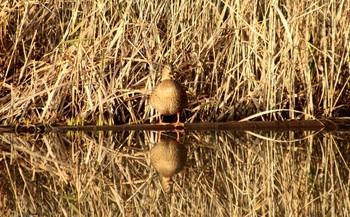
x: 79, y: 62
x: 226, y: 174
x: 95, y: 62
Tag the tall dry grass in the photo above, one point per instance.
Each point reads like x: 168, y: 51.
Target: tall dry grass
x: 95, y: 61
x: 226, y: 174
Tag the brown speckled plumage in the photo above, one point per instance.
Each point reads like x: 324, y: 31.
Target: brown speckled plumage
x: 168, y: 157
x: 169, y: 97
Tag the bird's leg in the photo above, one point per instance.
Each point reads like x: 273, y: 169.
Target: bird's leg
x: 177, y: 136
x: 160, y: 120
x: 159, y: 136
x: 178, y: 123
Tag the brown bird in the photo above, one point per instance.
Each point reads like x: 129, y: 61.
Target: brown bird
x: 169, y: 97
x: 168, y: 157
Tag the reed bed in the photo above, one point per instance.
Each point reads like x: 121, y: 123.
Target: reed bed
x: 78, y: 62
x: 226, y: 174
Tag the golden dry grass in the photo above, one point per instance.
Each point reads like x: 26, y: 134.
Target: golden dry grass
x: 226, y: 174
x: 95, y: 62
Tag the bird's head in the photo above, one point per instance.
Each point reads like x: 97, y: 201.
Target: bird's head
x: 167, y: 72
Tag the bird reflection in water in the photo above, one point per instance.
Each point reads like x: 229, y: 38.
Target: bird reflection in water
x: 168, y: 157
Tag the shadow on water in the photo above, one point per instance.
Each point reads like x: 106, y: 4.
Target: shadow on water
x: 142, y: 173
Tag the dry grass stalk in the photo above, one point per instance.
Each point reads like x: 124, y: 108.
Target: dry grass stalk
x: 227, y: 174
x: 79, y: 62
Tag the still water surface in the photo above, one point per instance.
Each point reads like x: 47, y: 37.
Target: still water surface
x: 197, y: 174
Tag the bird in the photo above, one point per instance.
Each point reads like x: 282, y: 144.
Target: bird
x: 169, y: 97
x: 168, y: 157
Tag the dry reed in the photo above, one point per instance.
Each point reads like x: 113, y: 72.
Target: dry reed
x: 226, y: 174
x: 94, y: 62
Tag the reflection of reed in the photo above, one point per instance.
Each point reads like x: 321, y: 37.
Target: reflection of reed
x: 227, y: 174
x: 168, y: 157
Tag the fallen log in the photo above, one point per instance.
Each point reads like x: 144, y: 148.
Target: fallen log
x: 334, y: 124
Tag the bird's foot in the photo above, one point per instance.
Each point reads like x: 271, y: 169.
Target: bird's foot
x: 178, y: 124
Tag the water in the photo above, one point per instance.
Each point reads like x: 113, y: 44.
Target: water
x: 197, y: 174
